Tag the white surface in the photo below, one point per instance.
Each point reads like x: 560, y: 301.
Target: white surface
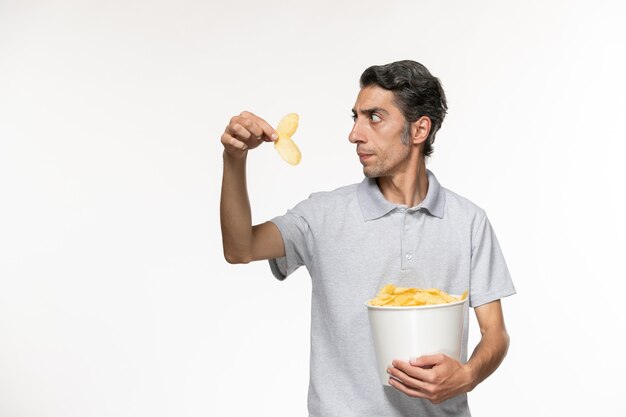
x: 114, y: 296
x: 407, y: 332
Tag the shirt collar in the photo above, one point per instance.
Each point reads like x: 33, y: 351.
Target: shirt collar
x: 374, y: 205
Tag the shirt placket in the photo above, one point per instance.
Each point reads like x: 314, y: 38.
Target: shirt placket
x: 409, y: 238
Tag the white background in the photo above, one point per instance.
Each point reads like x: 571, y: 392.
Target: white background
x: 115, y: 299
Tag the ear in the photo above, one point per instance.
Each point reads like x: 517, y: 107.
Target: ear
x: 420, y: 130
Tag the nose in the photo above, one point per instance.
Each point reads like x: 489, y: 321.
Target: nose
x: 356, y: 135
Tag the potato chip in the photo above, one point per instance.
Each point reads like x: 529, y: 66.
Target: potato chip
x: 400, y: 290
x: 390, y: 295
x: 402, y: 299
x: 287, y: 125
x: 377, y: 302
x: 387, y: 289
x: 420, y: 298
x: 286, y: 147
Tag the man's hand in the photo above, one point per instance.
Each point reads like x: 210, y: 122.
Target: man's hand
x: 435, y: 377
x: 246, y: 131
x: 439, y: 377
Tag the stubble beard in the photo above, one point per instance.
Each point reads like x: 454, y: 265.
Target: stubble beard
x: 385, y: 163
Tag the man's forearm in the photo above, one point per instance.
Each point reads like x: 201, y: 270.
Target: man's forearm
x: 488, y: 354
x: 235, y: 215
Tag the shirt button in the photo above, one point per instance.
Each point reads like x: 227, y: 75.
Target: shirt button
x: 409, y: 256
x: 406, y: 227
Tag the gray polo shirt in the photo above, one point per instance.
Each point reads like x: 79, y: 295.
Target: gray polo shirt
x: 353, y: 241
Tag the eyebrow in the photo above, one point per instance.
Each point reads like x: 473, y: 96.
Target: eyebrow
x: 371, y: 111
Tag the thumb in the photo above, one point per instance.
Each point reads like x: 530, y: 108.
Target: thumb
x: 426, y: 361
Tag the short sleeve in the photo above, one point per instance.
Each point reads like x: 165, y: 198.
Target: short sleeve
x: 490, y: 279
x: 297, y: 237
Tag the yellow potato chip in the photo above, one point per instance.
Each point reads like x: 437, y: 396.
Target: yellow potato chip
x: 447, y: 297
x: 390, y: 295
x: 286, y: 147
x: 288, y: 150
x: 287, y: 125
x: 387, y: 289
x: 402, y: 299
x: 432, y: 299
x: 400, y: 290
x: 377, y: 302
x: 420, y: 298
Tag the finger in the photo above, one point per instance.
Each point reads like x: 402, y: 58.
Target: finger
x: 411, y: 392
x: 423, y: 374
x: 427, y: 361
x: 248, y: 124
x: 268, y: 133
x: 407, y: 378
x: 238, y: 131
x: 228, y: 140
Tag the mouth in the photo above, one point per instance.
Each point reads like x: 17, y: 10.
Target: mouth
x: 364, y: 156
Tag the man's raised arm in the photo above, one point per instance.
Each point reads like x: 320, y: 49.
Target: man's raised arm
x: 241, y: 241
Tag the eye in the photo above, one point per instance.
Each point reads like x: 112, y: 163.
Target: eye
x: 375, y: 118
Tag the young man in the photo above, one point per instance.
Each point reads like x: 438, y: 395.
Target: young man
x: 398, y: 225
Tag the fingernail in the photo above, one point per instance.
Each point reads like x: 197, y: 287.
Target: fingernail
x: 274, y: 136
x: 389, y: 371
x: 412, y: 360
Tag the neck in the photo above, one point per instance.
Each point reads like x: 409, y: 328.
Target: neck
x: 409, y: 187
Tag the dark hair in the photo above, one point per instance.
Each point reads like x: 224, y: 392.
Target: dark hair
x: 416, y: 92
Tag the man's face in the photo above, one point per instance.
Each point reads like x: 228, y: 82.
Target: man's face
x: 377, y: 132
